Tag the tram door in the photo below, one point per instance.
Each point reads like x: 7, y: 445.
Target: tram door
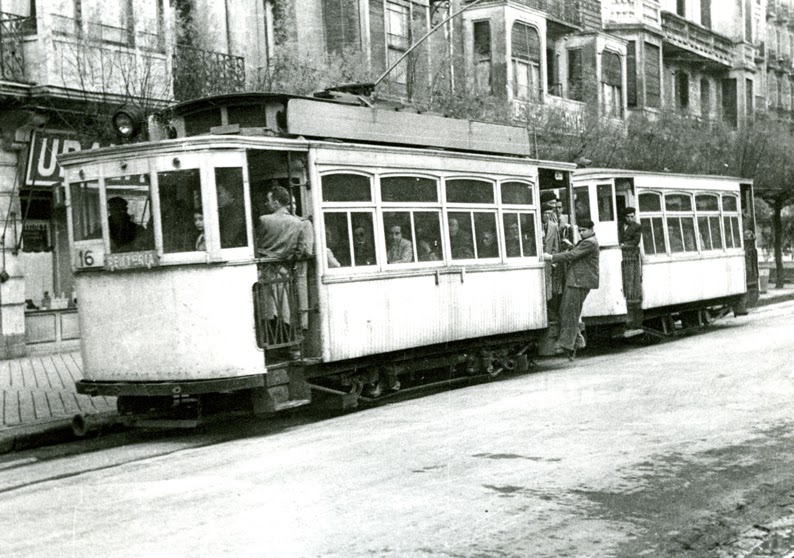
x: 750, y: 250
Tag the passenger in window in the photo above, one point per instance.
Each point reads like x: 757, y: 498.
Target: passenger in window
x: 427, y: 248
x: 460, y: 241
x: 400, y: 249
x: 330, y: 240
x: 513, y: 240
x: 198, y: 220
x: 582, y: 275
x: 630, y: 232
x: 363, y: 247
x: 125, y: 234
x: 231, y: 218
x: 488, y: 247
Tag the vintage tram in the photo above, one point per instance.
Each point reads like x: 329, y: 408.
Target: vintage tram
x: 179, y: 313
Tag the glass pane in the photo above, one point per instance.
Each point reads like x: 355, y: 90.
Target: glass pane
x: 729, y: 203
x: 180, y: 211
x: 703, y: 229
x: 716, y: 233
x: 428, y: 236
x: 647, y: 236
x: 363, y: 239
x: 337, y: 240
x: 487, y: 238
x: 737, y: 238
x: 674, y: 233
x: 85, y: 210
x: 528, y: 244
x: 581, y: 203
x: 408, y: 189
x: 516, y: 193
x: 231, y: 207
x: 688, y: 226
x: 658, y: 235
x: 678, y: 202
x: 650, y: 202
x: 706, y: 202
x: 129, y: 213
x: 399, y: 240
x: 469, y: 191
x: 606, y: 209
x: 460, y: 235
x: 346, y: 188
x: 512, y: 235
x: 729, y: 240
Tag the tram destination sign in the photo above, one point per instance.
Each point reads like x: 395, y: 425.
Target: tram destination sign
x: 132, y: 260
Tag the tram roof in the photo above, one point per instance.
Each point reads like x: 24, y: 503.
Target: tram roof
x: 628, y: 173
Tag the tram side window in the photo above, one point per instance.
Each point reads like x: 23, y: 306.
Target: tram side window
x: 680, y: 228
x: 520, y: 235
x: 180, y: 211
x: 129, y: 213
x: 733, y: 238
x: 461, y: 239
x: 581, y: 203
x: 412, y: 236
x: 350, y: 239
x: 231, y: 207
x: 708, y: 217
x: 85, y: 209
x: 606, y: 209
x: 652, y: 225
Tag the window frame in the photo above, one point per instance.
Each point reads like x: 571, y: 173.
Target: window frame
x: 709, y: 214
x: 729, y: 216
x: 533, y: 67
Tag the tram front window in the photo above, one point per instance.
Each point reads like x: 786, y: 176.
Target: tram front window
x: 85, y: 210
x: 129, y: 214
x: 180, y: 204
x: 231, y: 207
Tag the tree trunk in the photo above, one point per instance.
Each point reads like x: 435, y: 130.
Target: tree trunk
x: 777, y: 226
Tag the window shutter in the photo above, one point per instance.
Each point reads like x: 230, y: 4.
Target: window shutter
x: 610, y: 69
x: 341, y: 22
x: 525, y: 43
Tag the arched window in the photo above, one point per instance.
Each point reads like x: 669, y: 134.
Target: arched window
x: 525, y: 61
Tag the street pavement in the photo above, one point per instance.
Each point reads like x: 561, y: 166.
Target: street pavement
x: 39, y: 400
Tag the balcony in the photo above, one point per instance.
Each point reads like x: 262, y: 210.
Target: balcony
x: 13, y: 29
x: 633, y: 12
x: 681, y: 34
x: 564, y: 11
x: 200, y: 73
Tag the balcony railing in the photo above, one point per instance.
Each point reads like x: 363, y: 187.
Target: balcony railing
x: 697, y: 39
x: 12, y: 29
x: 647, y: 12
x: 200, y: 73
x: 567, y: 11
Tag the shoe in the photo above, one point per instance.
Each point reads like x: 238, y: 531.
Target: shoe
x: 571, y: 354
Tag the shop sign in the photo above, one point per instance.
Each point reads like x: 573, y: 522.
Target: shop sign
x: 43, y: 168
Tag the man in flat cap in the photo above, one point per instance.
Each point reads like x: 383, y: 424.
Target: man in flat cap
x: 630, y: 232
x: 582, y: 275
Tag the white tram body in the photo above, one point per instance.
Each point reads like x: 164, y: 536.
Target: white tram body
x: 174, y: 311
x: 692, y: 250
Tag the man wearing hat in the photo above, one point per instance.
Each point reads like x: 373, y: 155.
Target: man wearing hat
x: 582, y: 275
x: 630, y: 232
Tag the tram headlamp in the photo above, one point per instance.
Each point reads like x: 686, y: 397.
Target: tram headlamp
x: 127, y: 121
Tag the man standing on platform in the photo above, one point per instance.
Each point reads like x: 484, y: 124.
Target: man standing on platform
x: 582, y: 275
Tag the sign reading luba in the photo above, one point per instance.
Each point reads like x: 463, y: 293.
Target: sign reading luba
x: 132, y: 260
x: 43, y: 168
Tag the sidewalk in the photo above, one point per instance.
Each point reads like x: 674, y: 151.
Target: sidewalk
x: 38, y: 397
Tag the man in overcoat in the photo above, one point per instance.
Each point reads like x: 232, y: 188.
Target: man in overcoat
x: 582, y: 275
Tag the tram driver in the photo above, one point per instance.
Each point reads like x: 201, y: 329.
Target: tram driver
x: 125, y: 234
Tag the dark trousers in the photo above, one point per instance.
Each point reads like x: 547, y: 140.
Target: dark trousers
x: 570, y: 314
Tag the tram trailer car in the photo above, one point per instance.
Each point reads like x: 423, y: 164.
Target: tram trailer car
x: 697, y: 257
x: 180, y: 315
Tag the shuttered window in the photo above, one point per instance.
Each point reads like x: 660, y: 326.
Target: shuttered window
x: 575, y: 91
x: 525, y: 57
x: 653, y: 76
x: 612, y: 84
x: 631, y: 74
x: 482, y: 55
x: 341, y: 22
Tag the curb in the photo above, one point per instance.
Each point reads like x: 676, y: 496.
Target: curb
x: 773, y: 300
x: 49, y: 432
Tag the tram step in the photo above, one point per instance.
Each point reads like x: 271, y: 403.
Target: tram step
x: 291, y: 404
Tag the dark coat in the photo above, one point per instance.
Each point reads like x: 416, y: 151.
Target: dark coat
x: 631, y: 234
x: 583, y: 260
